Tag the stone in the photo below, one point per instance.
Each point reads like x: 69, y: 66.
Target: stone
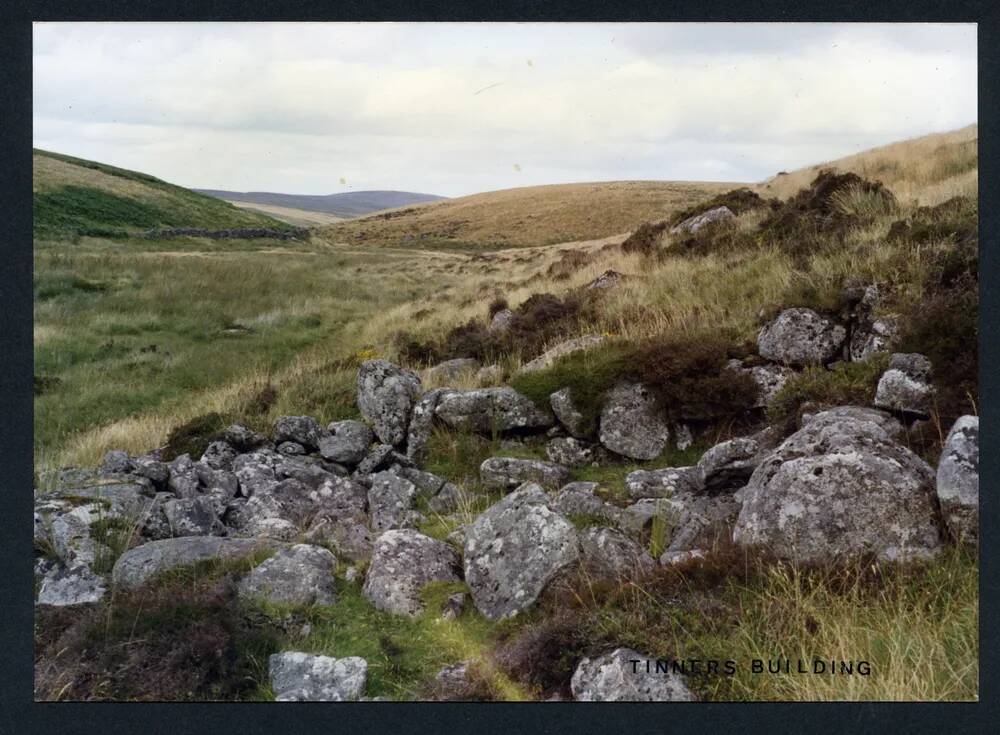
x: 610, y: 554
x: 302, y: 677
x: 678, y: 558
x: 448, y: 499
x: 255, y: 471
x: 683, y: 438
x: 291, y: 449
x: 193, y: 517
x: 116, y: 462
x: 71, y: 538
x: 882, y: 420
x: 454, y: 684
x: 577, y: 499
x: 727, y: 466
x: 800, y: 338
x: 136, y: 566
x: 699, y: 521
x: 625, y: 675
x: 769, y: 378
x: 427, y: 483
x: 403, y: 562
x: 514, y: 549
x: 709, y: 217
x: 905, y: 387
x: 608, y: 279
x: 570, y: 452
x: 452, y: 369
x: 219, y: 455
x: 183, y: 480
x: 210, y: 481
x: 242, y: 439
x: 453, y: 606
x: 838, y: 487
x: 386, y: 395
x: 568, y: 414
x: 302, y: 430
x: 505, y: 473
x: 631, y: 424
x: 299, y: 575
x: 873, y: 337
x: 347, y: 442
x: 578, y: 344
x: 501, y: 321
x: 389, y: 499
x: 77, y: 585
x: 421, y: 424
x: 958, y: 480
x: 664, y: 483
x: 380, y: 457
x: 490, y: 410
x: 349, y: 538
x: 157, y: 472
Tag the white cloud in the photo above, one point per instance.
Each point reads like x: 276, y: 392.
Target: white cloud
x: 450, y: 108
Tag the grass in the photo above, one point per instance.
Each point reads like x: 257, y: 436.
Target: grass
x: 138, y: 342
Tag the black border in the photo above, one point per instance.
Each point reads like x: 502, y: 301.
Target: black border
x: 19, y: 714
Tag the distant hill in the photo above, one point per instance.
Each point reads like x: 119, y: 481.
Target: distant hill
x: 74, y: 196
x: 348, y: 204
x: 525, y: 216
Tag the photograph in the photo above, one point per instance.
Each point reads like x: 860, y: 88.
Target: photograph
x: 504, y: 362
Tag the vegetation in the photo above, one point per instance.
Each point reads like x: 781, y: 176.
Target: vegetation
x: 144, y: 343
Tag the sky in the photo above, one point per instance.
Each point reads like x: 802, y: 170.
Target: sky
x: 453, y: 109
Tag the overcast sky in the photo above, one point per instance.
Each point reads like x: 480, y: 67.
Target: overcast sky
x: 451, y: 109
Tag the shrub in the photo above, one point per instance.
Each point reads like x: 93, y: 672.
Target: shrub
x: 497, y: 305
x: 194, y: 436
x: 737, y: 200
x: 646, y: 239
x: 689, y: 376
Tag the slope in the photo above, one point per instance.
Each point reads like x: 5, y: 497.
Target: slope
x: 347, y: 204
x: 73, y: 196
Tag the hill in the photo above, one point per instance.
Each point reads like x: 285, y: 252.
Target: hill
x: 297, y: 217
x: 348, y: 204
x: 535, y: 215
x: 73, y: 196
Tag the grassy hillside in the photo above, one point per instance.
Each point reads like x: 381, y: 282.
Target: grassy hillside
x: 72, y: 196
x: 536, y: 215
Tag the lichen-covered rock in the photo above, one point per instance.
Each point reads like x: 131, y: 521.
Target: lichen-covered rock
x: 663, y: 483
x: 570, y: 452
x: 514, y: 549
x: 116, y: 462
x: 770, y: 378
x: 403, y: 562
x: 677, y: 558
x: 291, y: 449
x: 71, y: 537
x: 906, y: 386
x: 709, y: 217
x: 728, y: 466
x: 421, y: 424
x: 348, y: 537
x: 568, y: 414
x: 136, y: 566
x: 577, y: 499
x: 184, y: 482
x: 610, y: 554
x: 243, y: 439
x: 193, y: 517
x: 447, y: 500
x: 256, y: 471
x: 77, y: 585
x: 501, y: 321
x: 427, y: 483
x: 386, y: 395
x: 700, y: 521
x: 858, y: 415
x: 631, y: 424
x: 578, y: 344
x: 219, y: 455
x: 505, y: 473
x: 625, y: 675
x: 379, y: 457
x: 302, y: 677
x: 299, y: 575
x: 958, y: 480
x: 840, y: 486
x: 490, y: 410
x: 304, y: 430
x: 872, y: 337
x: 389, y: 499
x: 346, y: 443
x: 801, y: 337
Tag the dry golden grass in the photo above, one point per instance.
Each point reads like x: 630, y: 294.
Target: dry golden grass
x: 51, y: 173
x: 536, y: 215
x: 926, y: 170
